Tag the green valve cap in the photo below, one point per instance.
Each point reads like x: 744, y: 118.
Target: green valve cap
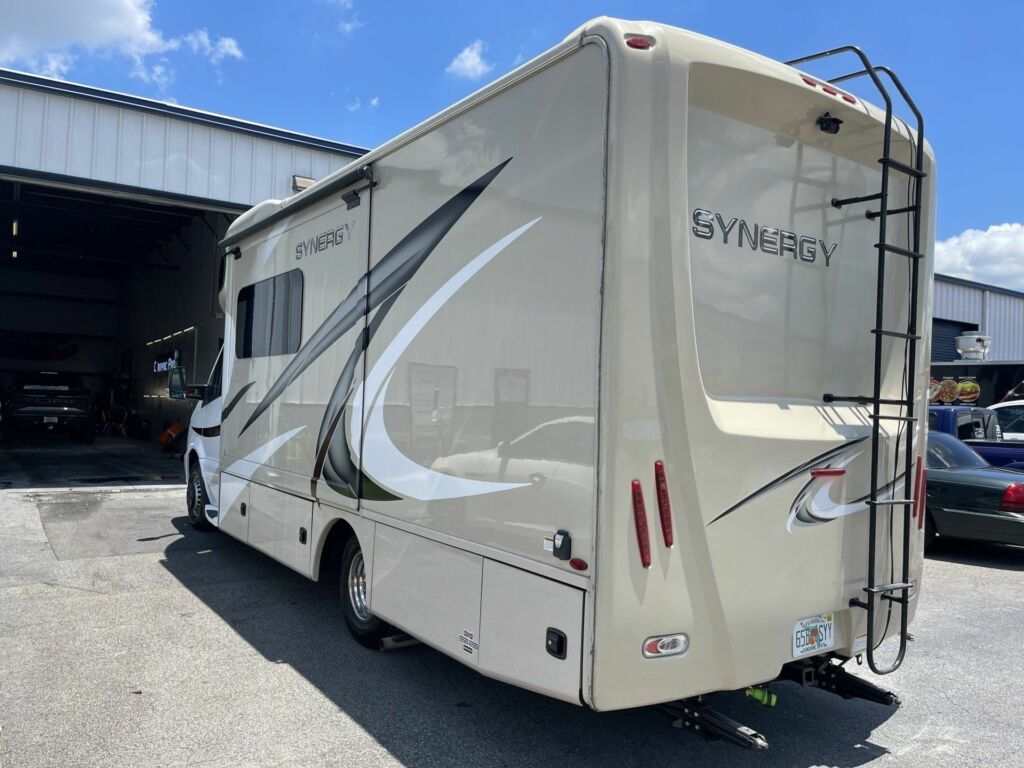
x: 763, y: 695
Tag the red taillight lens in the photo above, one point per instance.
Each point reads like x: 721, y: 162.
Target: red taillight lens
x: 1013, y: 498
x: 828, y: 472
x: 664, y: 505
x: 643, y: 536
x: 920, y: 492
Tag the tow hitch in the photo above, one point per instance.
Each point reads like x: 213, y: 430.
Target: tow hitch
x: 830, y: 676
x: 700, y: 718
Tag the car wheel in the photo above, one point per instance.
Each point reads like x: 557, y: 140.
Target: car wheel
x: 930, y: 535
x: 366, y: 628
x: 195, y: 496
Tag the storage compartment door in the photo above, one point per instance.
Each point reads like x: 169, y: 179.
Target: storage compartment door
x: 234, y: 506
x: 527, y: 623
x: 279, y: 525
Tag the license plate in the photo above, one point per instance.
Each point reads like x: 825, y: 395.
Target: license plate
x: 49, y: 419
x: 813, y: 635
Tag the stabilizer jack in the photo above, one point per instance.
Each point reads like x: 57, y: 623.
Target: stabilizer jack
x: 698, y: 717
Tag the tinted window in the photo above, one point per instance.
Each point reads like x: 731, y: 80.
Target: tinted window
x: 1011, y: 419
x: 945, y: 452
x: 53, y: 381
x: 567, y: 441
x: 965, y: 429
x: 213, y: 385
x: 269, y: 317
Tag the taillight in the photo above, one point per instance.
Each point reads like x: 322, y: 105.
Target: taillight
x: 640, y: 42
x: 1013, y: 498
x: 920, y: 492
x: 643, y: 536
x: 664, y: 505
x: 828, y: 472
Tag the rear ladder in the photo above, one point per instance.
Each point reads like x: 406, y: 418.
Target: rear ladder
x: 874, y: 591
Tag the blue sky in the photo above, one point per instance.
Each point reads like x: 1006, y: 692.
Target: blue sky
x: 362, y: 72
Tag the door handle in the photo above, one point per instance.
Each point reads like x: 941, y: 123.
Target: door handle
x: 243, y: 509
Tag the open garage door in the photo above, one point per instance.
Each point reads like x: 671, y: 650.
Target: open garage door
x: 110, y: 290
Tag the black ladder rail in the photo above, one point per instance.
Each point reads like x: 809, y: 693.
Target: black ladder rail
x: 916, y: 175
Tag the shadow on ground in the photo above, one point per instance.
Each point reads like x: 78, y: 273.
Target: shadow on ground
x: 1000, y: 556
x: 55, y: 461
x: 427, y: 709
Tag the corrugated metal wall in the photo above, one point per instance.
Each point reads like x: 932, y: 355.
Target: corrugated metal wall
x: 996, y: 313
x: 75, y: 136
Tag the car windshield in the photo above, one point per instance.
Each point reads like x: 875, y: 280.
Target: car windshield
x: 1011, y: 418
x: 48, y: 381
x: 946, y: 452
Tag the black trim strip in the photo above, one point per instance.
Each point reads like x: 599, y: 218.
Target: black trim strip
x: 207, y: 431
x: 140, y: 104
x: 96, y: 186
x: 790, y: 475
x: 234, y: 400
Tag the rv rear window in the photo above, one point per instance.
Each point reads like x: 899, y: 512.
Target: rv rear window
x: 269, y: 317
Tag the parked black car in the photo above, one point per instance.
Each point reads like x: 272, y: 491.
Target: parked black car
x: 48, y: 402
x: 970, y: 499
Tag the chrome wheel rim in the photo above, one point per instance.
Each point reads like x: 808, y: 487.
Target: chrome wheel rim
x: 357, y: 588
x: 195, y: 493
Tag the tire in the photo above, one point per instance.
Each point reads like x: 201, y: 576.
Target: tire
x: 195, y: 497
x: 931, y: 536
x: 366, y: 628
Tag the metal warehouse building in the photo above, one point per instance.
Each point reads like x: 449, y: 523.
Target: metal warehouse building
x: 962, y: 306
x: 111, y: 208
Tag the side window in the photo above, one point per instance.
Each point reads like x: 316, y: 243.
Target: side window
x: 964, y: 426
x: 567, y: 442
x: 214, y: 384
x: 1011, y: 419
x: 932, y: 420
x: 269, y: 317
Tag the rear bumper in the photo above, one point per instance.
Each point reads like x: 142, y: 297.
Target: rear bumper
x: 47, y: 422
x: 1001, y: 529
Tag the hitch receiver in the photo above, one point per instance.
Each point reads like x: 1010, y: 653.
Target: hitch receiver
x: 700, y: 718
x: 831, y: 677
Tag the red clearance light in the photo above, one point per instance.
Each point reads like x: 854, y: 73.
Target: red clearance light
x: 849, y: 99
x: 810, y: 82
x: 1013, y: 498
x: 830, y: 90
x: 640, y: 42
x: 918, y: 488
x: 643, y: 537
x: 578, y: 565
x: 828, y: 472
x: 664, y: 505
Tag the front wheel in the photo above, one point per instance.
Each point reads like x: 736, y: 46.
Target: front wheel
x: 366, y: 628
x: 195, y: 495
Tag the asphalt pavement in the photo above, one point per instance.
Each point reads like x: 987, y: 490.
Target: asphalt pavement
x: 128, y: 639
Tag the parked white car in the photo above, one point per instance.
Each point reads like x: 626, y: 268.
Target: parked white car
x: 1011, y: 418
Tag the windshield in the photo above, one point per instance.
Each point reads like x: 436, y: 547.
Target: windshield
x: 48, y: 381
x: 946, y: 452
x: 1011, y: 418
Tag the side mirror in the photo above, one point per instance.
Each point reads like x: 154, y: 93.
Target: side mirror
x: 176, y: 385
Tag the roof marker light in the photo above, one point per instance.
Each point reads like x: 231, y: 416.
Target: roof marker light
x: 828, y: 472
x: 643, y: 536
x: 849, y: 99
x: 810, y: 82
x: 830, y: 90
x: 640, y: 42
x: 664, y: 505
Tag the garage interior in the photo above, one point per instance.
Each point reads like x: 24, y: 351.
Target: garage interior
x: 109, y: 287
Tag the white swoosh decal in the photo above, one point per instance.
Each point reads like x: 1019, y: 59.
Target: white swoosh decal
x: 241, y: 471
x: 382, y: 460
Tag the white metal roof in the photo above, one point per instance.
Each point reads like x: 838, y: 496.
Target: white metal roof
x: 59, y: 132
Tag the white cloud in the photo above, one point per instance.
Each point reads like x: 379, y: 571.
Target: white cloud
x: 357, y: 105
x: 470, y: 62
x: 49, y: 36
x: 348, y: 26
x: 224, y: 47
x: 994, y: 255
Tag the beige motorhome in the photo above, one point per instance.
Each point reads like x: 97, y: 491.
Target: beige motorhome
x: 603, y: 380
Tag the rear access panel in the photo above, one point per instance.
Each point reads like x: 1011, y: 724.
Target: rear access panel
x: 531, y: 631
